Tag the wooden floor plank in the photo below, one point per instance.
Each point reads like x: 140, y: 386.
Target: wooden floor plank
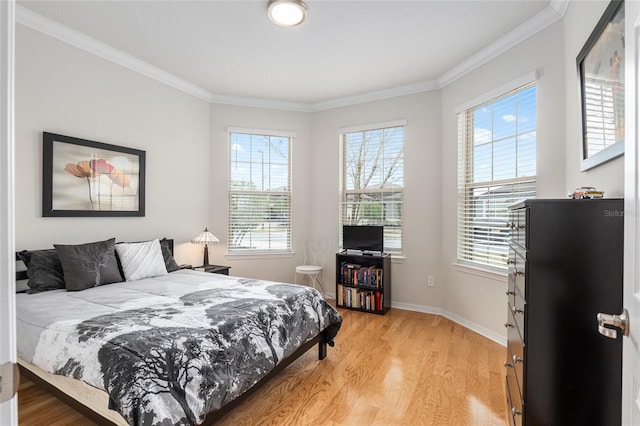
x: 403, y: 368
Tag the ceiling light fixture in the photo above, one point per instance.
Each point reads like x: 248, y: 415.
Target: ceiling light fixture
x: 287, y: 13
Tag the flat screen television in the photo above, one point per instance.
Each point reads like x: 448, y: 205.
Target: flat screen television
x: 365, y: 238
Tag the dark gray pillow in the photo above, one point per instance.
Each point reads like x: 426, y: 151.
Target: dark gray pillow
x: 43, y: 270
x: 89, y: 265
x: 169, y: 261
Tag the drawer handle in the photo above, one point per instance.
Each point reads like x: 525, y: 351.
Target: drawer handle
x: 510, y: 293
x: 510, y: 262
x: 508, y: 324
x: 517, y: 310
x: 519, y: 273
x: 517, y: 359
x: 507, y: 364
x: 515, y: 411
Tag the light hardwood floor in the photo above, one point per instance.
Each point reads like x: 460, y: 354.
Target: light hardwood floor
x: 403, y: 368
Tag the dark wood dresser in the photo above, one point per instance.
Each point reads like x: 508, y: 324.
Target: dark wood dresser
x: 565, y: 266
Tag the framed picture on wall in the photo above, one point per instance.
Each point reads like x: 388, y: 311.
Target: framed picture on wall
x: 87, y: 178
x: 601, y: 73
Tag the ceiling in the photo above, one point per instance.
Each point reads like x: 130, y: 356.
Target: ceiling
x: 230, y: 49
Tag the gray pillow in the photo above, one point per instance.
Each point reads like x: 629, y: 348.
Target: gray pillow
x: 43, y: 270
x: 169, y: 262
x: 89, y: 265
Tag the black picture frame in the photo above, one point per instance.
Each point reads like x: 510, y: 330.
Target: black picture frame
x: 601, y: 74
x: 84, y: 178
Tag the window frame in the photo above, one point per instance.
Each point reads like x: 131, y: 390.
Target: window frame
x: 231, y: 192
x: 520, y: 187
x: 344, y: 192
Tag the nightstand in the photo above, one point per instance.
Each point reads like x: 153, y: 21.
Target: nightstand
x: 214, y: 269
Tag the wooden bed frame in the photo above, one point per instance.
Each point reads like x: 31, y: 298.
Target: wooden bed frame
x: 65, y: 393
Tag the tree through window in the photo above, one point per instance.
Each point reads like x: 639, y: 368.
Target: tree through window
x: 372, y: 180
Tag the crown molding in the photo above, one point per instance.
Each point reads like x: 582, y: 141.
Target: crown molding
x: 537, y: 23
x: 560, y: 6
x: 378, y: 95
x: 75, y: 38
x: 394, y: 92
x: 246, y: 101
x: 544, y: 18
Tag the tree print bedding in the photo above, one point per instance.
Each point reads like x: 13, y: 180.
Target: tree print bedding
x: 170, y: 349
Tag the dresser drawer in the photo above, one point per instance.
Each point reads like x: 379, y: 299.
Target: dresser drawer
x: 517, y: 267
x: 517, y: 315
x: 513, y: 399
x: 519, y: 271
x: 515, y: 361
x: 518, y: 225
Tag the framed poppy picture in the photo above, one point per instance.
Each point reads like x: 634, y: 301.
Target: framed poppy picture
x: 87, y: 178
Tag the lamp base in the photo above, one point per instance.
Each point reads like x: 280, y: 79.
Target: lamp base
x: 206, y: 256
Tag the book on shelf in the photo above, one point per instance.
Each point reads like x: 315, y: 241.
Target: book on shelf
x: 361, y: 276
x: 352, y: 297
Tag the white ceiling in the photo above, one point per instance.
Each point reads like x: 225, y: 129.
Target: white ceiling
x: 343, y: 50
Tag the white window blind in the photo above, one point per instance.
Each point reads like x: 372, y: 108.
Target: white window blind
x: 496, y: 168
x: 372, y: 180
x: 259, y: 193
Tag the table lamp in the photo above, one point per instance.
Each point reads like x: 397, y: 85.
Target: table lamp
x: 205, y: 239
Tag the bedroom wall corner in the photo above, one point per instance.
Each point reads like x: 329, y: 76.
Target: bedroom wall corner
x: 422, y: 190
x: 62, y: 89
x: 478, y: 297
x: 269, y: 267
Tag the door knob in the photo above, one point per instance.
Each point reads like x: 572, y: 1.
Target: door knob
x: 619, y: 321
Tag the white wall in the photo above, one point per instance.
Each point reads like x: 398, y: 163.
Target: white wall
x: 276, y: 268
x: 579, y: 22
x: 480, y: 299
x: 422, y: 189
x: 65, y: 90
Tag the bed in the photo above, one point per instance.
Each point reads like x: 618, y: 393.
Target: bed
x: 183, y: 347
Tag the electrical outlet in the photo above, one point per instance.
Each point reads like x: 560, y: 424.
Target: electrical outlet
x: 431, y: 281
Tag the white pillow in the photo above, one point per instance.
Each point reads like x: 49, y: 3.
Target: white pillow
x: 141, y: 260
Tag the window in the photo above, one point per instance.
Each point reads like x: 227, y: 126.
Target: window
x: 372, y: 179
x: 496, y: 168
x: 259, y: 192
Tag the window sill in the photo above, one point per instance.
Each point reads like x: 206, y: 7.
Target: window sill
x: 493, y: 274
x: 259, y: 255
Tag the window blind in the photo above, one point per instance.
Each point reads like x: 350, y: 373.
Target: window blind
x: 496, y: 168
x: 259, y: 193
x: 372, y: 181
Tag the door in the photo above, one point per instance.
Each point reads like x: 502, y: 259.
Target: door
x: 8, y: 409
x: 630, y: 356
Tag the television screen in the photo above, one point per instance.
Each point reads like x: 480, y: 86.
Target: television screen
x: 365, y: 238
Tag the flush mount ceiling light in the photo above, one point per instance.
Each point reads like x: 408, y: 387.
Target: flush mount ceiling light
x: 287, y: 13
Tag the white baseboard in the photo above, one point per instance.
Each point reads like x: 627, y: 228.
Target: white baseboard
x: 491, y: 335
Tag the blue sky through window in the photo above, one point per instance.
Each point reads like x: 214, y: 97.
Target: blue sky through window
x: 504, y: 137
